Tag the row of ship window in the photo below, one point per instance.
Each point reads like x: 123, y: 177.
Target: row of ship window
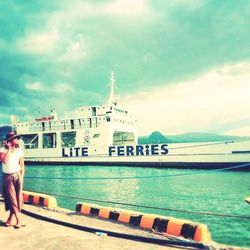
x: 49, y: 140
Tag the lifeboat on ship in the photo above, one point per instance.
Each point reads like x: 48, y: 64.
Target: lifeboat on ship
x: 45, y: 118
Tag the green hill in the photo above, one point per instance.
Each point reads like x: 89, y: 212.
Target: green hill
x: 157, y: 137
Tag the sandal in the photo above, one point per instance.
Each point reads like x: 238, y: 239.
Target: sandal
x: 17, y: 226
x: 7, y: 224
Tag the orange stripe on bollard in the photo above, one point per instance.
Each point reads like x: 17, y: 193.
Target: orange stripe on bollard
x: 124, y: 216
x: 147, y: 221
x: 46, y: 202
x: 174, y: 227
x: 25, y: 197
x: 180, y: 228
x: 39, y: 199
x: 202, y: 234
x: 36, y: 200
x: 85, y: 209
x: 104, y: 212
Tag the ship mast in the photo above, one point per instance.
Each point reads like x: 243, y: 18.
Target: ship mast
x: 112, y: 84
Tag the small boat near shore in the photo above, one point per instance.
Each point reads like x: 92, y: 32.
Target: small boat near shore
x: 107, y: 135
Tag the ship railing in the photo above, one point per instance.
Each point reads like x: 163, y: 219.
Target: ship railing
x: 64, y: 126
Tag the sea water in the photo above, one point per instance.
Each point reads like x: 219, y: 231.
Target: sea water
x: 222, y: 192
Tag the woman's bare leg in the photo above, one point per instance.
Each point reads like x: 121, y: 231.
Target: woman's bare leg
x: 8, y: 222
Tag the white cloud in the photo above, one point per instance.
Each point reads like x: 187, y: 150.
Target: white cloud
x: 242, y: 131
x: 58, y: 35
x: 79, y: 11
x: 214, y: 102
x: 57, y: 88
x: 74, y: 52
x: 235, y: 69
x: 126, y: 7
x: 39, y: 43
x: 34, y: 86
x: 62, y: 88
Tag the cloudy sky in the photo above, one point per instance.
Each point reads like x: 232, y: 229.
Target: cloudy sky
x: 180, y: 65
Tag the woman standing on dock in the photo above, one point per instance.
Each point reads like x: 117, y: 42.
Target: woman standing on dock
x: 13, y: 172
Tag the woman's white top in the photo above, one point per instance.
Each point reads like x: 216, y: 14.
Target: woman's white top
x: 13, y: 165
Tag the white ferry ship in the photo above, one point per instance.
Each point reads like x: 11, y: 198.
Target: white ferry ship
x: 107, y: 135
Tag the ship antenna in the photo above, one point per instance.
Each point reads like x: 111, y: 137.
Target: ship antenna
x: 112, y: 84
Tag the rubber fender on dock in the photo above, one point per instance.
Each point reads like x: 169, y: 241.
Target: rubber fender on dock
x: 39, y: 199
x: 176, y: 227
x: 128, y: 216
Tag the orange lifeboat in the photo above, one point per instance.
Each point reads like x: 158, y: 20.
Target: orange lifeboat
x: 45, y: 118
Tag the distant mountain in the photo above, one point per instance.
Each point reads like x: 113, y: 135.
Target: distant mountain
x: 202, y: 137
x: 4, y: 130
x: 157, y: 137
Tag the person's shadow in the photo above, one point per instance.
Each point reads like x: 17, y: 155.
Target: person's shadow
x: 2, y: 223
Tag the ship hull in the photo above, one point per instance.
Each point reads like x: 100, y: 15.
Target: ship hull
x: 234, y: 155
x: 239, y: 166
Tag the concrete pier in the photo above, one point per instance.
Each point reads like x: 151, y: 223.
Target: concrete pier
x: 38, y: 234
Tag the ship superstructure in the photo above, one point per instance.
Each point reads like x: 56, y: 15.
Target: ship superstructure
x: 96, y: 127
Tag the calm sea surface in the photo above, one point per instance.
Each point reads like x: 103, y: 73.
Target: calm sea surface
x: 217, y: 192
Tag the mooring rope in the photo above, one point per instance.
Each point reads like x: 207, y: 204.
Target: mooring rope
x: 149, y: 207
x: 208, y: 144
x: 146, y: 239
